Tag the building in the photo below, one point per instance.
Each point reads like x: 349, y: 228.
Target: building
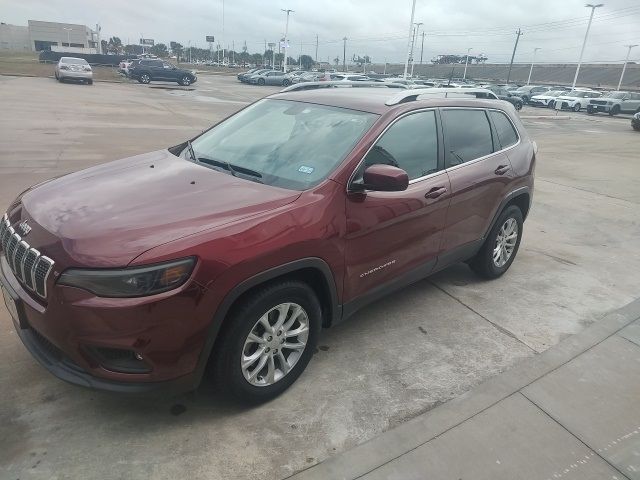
x: 38, y: 36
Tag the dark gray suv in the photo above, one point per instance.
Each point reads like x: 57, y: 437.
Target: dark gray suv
x: 147, y: 70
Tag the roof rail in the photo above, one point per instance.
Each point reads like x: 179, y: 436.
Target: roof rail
x: 339, y: 84
x: 412, y: 94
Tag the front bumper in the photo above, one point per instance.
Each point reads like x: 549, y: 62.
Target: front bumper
x: 538, y: 102
x: 61, y: 334
x: 600, y: 108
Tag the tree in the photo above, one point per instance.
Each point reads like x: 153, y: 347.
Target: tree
x: 103, y: 45
x: 176, y: 49
x: 336, y: 61
x: 306, y: 61
x: 133, y: 49
x: 159, y: 50
x: 115, y: 46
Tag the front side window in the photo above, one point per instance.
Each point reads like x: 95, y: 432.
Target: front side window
x: 468, y: 135
x: 282, y: 143
x: 410, y: 144
x: 504, y: 128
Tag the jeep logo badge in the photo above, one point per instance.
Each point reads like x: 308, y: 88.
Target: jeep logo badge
x: 24, y: 227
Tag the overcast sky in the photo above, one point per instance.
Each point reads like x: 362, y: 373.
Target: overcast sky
x: 378, y: 28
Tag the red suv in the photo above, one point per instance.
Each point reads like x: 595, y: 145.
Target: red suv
x: 231, y: 251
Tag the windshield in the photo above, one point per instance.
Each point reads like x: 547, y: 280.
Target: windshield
x: 617, y: 95
x: 74, y: 61
x: 577, y: 94
x: 282, y: 143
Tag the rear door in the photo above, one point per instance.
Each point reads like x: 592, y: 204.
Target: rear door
x: 395, y: 234
x: 632, y: 103
x: 480, y: 175
x: 169, y: 71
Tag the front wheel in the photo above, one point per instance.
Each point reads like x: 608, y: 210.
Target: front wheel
x: 590, y: 110
x: 577, y: 107
x: 518, y: 106
x: 501, y: 246
x: 267, y: 341
x: 185, y: 81
x: 286, y: 82
x: 145, y: 78
x: 261, y: 81
x: 615, y: 110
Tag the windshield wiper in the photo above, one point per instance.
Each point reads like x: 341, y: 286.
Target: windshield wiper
x: 233, y: 169
x: 191, y: 152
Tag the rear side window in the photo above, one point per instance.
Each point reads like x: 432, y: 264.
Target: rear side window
x: 410, y: 144
x: 504, y: 128
x: 468, y: 135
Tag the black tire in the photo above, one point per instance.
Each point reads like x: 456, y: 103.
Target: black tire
x: 525, y: 99
x: 226, y: 368
x: 261, y: 81
x: 577, y: 107
x: 55, y: 74
x: 144, y: 78
x: 286, y: 82
x: 185, y: 81
x: 89, y: 82
x: 518, y: 106
x: 552, y: 104
x: 590, y: 110
x: 637, y: 129
x: 615, y: 110
x: 483, y: 263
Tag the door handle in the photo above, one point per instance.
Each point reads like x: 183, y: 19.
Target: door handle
x: 435, y: 192
x: 502, y: 169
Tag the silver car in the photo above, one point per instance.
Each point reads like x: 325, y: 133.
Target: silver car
x: 273, y: 77
x: 71, y: 68
x: 615, y: 102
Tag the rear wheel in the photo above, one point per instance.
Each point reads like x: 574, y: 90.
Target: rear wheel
x: 268, y: 341
x: 518, y: 105
x: 614, y: 110
x: 501, y: 246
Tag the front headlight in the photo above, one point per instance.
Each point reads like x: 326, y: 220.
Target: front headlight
x: 130, y: 282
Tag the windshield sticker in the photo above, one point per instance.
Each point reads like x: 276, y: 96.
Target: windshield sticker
x: 305, y: 169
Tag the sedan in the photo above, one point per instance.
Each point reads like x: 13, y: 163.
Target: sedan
x: 273, y: 77
x: 71, y: 68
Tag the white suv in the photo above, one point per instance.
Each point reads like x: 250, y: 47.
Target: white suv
x: 576, y: 99
x: 616, y: 102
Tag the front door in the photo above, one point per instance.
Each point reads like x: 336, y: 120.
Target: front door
x: 393, y: 235
x: 480, y: 174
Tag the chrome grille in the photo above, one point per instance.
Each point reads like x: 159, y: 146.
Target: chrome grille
x: 29, y: 267
x: 599, y: 102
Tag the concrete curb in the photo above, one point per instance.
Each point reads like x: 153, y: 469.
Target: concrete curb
x: 545, y: 117
x: 392, y: 444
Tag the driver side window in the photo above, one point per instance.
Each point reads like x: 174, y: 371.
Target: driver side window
x: 410, y: 144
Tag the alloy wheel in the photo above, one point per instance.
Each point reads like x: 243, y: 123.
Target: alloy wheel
x: 145, y: 78
x: 505, y: 242
x: 275, y: 344
x: 186, y: 81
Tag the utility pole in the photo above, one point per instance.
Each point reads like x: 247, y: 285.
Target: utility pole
x: 422, y: 48
x: 316, y: 58
x: 344, y: 54
x: 532, y: 62
x: 584, y: 43
x: 624, y: 67
x: 466, y: 62
x: 406, y: 62
x: 515, y: 47
x: 233, y: 51
x: 415, y: 34
x: 286, y: 32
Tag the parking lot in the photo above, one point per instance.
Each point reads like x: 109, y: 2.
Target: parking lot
x: 397, y: 358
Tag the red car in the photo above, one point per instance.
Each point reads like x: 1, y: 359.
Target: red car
x: 228, y: 253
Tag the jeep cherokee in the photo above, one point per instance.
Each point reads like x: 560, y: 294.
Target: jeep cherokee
x: 228, y: 253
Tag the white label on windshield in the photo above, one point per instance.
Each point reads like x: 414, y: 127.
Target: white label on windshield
x: 305, y: 169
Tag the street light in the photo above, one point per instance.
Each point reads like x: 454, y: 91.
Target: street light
x: 466, y: 62
x: 406, y: 62
x: 286, y: 32
x: 532, y: 62
x: 584, y: 43
x: 624, y: 67
x: 68, y: 34
x: 415, y: 35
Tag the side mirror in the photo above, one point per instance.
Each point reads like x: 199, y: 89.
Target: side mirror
x: 385, y: 178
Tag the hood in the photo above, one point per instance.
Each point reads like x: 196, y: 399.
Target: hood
x: 110, y: 214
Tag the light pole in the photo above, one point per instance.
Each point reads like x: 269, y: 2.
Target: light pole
x: 584, y: 43
x: 68, y: 35
x: 406, y: 62
x: 286, y: 32
x: 415, y: 34
x: 466, y: 62
x: 223, y: 32
x: 272, y: 46
x: 532, y: 62
x: 344, y: 54
x: 624, y: 67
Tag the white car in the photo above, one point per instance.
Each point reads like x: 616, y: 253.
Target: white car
x: 71, y: 68
x: 546, y: 99
x: 616, y: 102
x: 576, y: 99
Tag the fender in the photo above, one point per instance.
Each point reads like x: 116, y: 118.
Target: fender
x: 221, y: 312
x: 505, y: 200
